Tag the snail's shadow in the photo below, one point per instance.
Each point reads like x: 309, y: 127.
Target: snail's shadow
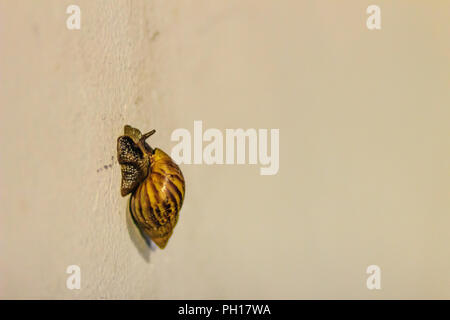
x: 141, y: 241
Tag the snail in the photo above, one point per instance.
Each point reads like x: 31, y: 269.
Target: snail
x: 155, y: 182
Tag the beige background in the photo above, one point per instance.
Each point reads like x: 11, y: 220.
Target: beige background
x: 364, y: 147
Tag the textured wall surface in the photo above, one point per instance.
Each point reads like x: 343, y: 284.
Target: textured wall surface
x: 364, y: 147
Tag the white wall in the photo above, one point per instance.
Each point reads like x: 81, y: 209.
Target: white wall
x: 363, y: 119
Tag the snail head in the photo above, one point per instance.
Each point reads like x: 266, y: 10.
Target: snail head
x: 133, y: 155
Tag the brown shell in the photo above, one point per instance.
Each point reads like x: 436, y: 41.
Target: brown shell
x: 156, y: 183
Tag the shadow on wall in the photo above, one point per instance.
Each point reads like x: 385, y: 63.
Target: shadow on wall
x: 142, y: 243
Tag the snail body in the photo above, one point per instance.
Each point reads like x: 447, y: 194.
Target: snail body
x: 155, y: 182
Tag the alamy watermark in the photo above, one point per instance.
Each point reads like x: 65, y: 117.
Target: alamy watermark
x: 74, y: 280
x: 374, y: 280
x: 260, y: 150
x: 374, y: 20
x: 73, y: 22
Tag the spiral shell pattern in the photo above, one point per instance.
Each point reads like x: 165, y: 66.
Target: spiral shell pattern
x: 157, y: 201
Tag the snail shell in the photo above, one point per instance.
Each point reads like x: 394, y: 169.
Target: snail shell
x: 155, y: 182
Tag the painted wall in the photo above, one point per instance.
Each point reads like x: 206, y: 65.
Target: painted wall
x: 364, y: 148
